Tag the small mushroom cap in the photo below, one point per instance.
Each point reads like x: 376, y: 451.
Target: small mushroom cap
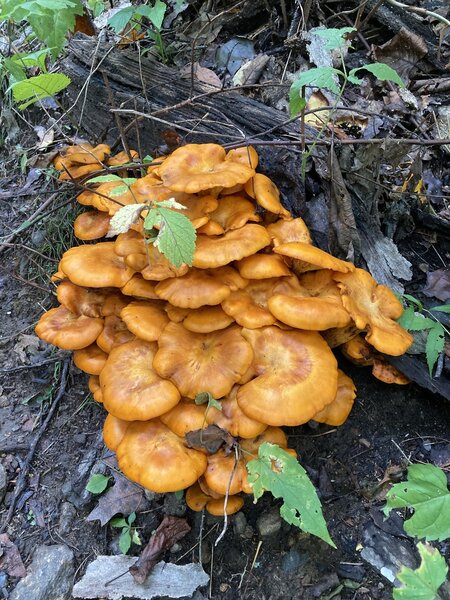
x: 115, y: 332
x: 85, y: 154
x: 271, y: 435
x: 200, y: 287
x: 387, y: 373
x: 196, y: 498
x: 198, y: 209
x: 95, y: 266
x: 233, y: 212
x: 140, y: 288
x: 79, y: 300
x: 130, y: 242
x: 336, y: 413
x: 224, y: 474
x: 186, y: 416
x: 310, y: 258
x: 249, y: 306
x: 233, y: 245
x: 122, y: 158
x: 211, y: 228
x: 246, y: 155
x: 95, y: 389
x: 132, y: 390
x: 158, y: 267
x: 114, y: 303
x: 91, y: 225
x: 284, y: 231
x: 197, y: 362
x: 151, y: 455
x: 145, y: 319
x: 316, y: 305
x: 66, y: 330
x: 90, y: 360
x: 266, y: 195
x: 233, y: 419
x: 151, y: 188
x: 339, y: 335
x: 297, y: 376
x: 220, y: 506
x: 358, y: 351
x: 207, y: 319
x: 263, y: 266
x: 373, y: 307
x: 104, y: 197
x: 196, y: 167
x: 113, y: 431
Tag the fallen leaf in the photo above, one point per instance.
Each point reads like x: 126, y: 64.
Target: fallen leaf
x: 210, y: 439
x: 123, y: 497
x: 10, y: 559
x: 27, y: 344
x: 168, y: 533
x: 402, y: 52
x: 201, y: 74
x: 438, y: 284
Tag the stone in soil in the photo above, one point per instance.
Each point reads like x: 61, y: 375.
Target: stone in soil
x: 49, y: 575
x: 269, y: 523
x: 3, y: 482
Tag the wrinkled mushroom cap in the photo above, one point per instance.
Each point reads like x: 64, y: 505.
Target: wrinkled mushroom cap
x: 196, y: 167
x: 139, y: 288
x: 66, y: 330
x: 387, y: 373
x: 115, y: 332
x: 145, y: 319
x: 91, y: 225
x: 266, y: 195
x: 79, y: 300
x: 197, y: 362
x: 248, y: 306
x: 151, y: 455
x: 373, y: 307
x: 263, y: 266
x: 132, y: 390
x: 246, y: 155
x: 90, y: 360
x: 233, y: 212
x: 113, y: 431
x: 284, y: 231
x: 336, y: 412
x: 358, y: 351
x: 207, y: 319
x: 297, y: 376
x: 185, y: 417
x: 226, y: 475
x: 310, y: 258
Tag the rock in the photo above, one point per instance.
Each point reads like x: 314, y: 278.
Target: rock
x: 66, y: 518
x: 353, y: 572
x: 329, y: 582
x: 174, y: 506
x: 239, y: 523
x: 49, y: 575
x: 293, y: 561
x: 269, y: 523
x: 3, y: 481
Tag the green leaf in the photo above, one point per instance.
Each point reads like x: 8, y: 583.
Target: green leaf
x: 207, y: 398
x: 434, y: 346
x: 147, y: 159
x: 170, y: 203
x: 104, y: 179
x: 320, y: 77
x: 412, y: 321
x: 444, y: 309
x: 125, y: 541
x: 426, y: 492
x: 97, y: 483
x: 296, y: 102
x: 278, y: 472
x: 120, y: 20
x: 153, y: 218
x: 382, y: 72
x: 124, y: 218
x: 135, y: 538
x: 36, y: 88
x: 353, y: 79
x: 155, y: 14
x: 334, y: 38
x: 15, y: 69
x: 176, y: 239
x: 96, y: 6
x: 414, y: 301
x: 422, y: 583
x: 33, y: 59
x: 179, y: 495
x: 120, y: 190
x: 118, y: 522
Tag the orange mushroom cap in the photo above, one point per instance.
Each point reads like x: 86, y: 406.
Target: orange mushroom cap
x: 249, y: 306
x: 157, y: 267
x: 339, y: 335
x: 246, y: 155
x: 95, y: 389
x: 132, y: 390
x: 336, y: 413
x: 358, y: 351
x: 263, y: 266
x: 218, y: 507
x: 198, y: 362
x: 79, y: 300
x: 115, y: 332
x: 284, y: 231
x: 297, y: 376
x: 186, y: 416
x: 66, y: 330
x: 113, y: 431
x: 387, y: 373
x: 226, y: 475
x: 139, y: 288
x: 207, y: 319
x: 145, y: 319
x: 151, y: 455
x: 310, y: 258
x: 91, y: 225
x: 196, y: 167
x: 200, y: 287
x: 196, y: 499
x: 210, y: 228
x: 233, y: 212
x: 373, y: 307
x: 233, y: 245
x: 266, y: 195
x: 271, y: 435
x: 90, y: 360
x: 95, y: 266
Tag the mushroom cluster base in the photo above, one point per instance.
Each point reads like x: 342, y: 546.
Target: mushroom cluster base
x: 253, y: 322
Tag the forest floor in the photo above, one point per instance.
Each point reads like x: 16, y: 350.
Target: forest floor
x: 260, y: 556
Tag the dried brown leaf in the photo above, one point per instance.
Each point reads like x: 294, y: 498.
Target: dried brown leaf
x: 10, y: 559
x: 211, y: 439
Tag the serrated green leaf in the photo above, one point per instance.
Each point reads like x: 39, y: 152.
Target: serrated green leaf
x: 176, y: 238
x: 289, y: 481
x: 334, y: 38
x: 382, y: 72
x: 170, y: 203
x: 207, y: 398
x: 118, y: 522
x: 353, y: 79
x: 413, y: 321
x: 155, y: 14
x: 97, y: 483
x: 444, y: 309
x: 104, y: 179
x: 33, y: 59
x: 296, y: 102
x: 124, y: 218
x: 320, y: 77
x: 153, y: 218
x: 33, y: 89
x: 414, y: 301
x: 121, y: 18
x: 15, y: 70
x: 125, y: 541
x: 434, y: 346
x: 422, y: 583
x: 147, y: 159
x: 426, y: 492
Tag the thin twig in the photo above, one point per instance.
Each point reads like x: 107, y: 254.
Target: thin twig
x: 22, y: 479
x: 422, y: 12
x: 117, y: 118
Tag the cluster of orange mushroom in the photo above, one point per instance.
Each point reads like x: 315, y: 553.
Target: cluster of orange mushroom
x: 252, y: 322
